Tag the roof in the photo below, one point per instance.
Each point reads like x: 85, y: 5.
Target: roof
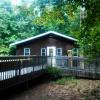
x: 41, y: 35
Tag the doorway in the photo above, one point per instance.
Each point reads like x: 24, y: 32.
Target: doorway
x: 51, y: 52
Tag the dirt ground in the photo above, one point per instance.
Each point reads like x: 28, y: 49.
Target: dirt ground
x: 80, y: 89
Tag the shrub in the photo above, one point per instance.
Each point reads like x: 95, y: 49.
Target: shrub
x: 54, y: 72
x: 66, y: 80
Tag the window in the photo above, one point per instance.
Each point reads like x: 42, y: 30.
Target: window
x: 43, y: 51
x: 59, y: 51
x: 26, y: 51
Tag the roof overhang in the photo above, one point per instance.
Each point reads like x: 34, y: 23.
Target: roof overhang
x: 42, y: 35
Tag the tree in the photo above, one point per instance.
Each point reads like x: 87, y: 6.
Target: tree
x: 14, y: 26
x: 8, y: 30
x: 25, y: 18
x: 90, y: 30
x: 62, y: 18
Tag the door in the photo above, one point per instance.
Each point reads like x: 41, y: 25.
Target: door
x: 51, y: 52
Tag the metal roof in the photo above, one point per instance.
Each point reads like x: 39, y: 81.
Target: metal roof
x: 43, y: 34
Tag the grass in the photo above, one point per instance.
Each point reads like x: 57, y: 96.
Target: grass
x: 66, y: 81
x: 87, y: 89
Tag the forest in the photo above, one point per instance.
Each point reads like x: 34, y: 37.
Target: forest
x: 62, y: 16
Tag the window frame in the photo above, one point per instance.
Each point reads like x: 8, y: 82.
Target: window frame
x: 27, y: 52
x: 58, y: 52
x: 43, y: 52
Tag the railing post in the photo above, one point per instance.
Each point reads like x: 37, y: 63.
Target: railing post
x: 46, y: 59
x: 42, y: 58
x: 33, y: 63
x: 51, y: 61
x: 95, y: 68
x: 18, y: 70
x: 21, y: 65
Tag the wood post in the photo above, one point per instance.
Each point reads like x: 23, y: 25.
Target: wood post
x: 70, y: 56
x: 82, y: 61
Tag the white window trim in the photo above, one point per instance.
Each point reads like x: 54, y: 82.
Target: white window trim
x: 41, y: 51
x: 57, y: 51
x: 24, y: 51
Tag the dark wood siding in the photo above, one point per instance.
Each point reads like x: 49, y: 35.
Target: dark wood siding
x: 36, y: 45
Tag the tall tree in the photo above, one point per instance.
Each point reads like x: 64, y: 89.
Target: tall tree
x: 15, y: 26
x: 8, y: 30
x: 62, y: 17
x: 90, y: 30
x: 25, y: 18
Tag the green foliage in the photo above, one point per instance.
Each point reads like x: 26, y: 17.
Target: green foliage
x: 25, y: 18
x: 14, y: 27
x: 8, y: 30
x: 54, y: 72
x: 66, y: 80
x: 63, y: 18
x: 89, y: 37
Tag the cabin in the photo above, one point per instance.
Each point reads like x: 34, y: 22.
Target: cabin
x: 50, y: 43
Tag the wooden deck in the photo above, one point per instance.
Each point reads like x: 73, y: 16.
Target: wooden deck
x: 15, y: 70
x: 18, y: 69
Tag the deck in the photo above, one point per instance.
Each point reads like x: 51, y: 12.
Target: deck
x: 18, y: 69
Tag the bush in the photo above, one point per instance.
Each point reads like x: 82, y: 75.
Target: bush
x: 54, y: 72
x: 66, y: 80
